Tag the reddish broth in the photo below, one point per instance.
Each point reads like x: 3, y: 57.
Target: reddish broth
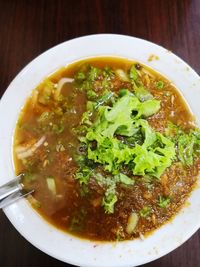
x: 68, y: 209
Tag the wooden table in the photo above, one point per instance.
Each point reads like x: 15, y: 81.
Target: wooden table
x: 27, y: 28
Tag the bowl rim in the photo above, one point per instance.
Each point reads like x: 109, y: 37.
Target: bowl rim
x: 11, y: 211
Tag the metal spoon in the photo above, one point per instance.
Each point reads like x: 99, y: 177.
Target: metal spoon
x: 12, y: 191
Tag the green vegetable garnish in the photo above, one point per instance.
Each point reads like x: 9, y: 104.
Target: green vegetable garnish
x: 44, y: 116
x: 78, y: 220
x: 83, y: 175
x: 166, y: 93
x: 140, y: 149
x: 185, y: 153
x: 143, y: 94
x: 93, y: 73
x: 160, y: 85
x: 44, y: 96
x: 111, y: 153
x: 163, y: 202
x: 124, y: 179
x: 58, y: 128
x: 133, y: 73
x: 109, y: 201
x: 80, y: 76
x: 103, y: 99
x: 110, y: 183
x: 88, y: 76
x: 91, y: 94
x: 145, y: 211
x: 151, y: 153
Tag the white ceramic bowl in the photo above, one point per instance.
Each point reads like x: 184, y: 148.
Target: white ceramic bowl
x: 36, y: 230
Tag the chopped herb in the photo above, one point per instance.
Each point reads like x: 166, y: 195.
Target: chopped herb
x: 58, y: 128
x: 84, y: 190
x: 77, y: 223
x: 108, y: 72
x: 145, y: 211
x: 148, y: 181
x: 80, y: 76
x: 83, y: 175
x: 44, y: 116
x: 91, y: 94
x: 110, y: 183
x: 166, y: 93
x: 109, y: 201
x: 86, y: 118
x: 160, y: 85
x: 45, y: 95
x: 110, y: 197
x: 163, y: 202
x: 93, y: 73
x: 80, y: 130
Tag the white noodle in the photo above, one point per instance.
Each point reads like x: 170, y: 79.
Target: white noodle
x: 28, y: 152
x: 61, y: 82
x: 20, y: 149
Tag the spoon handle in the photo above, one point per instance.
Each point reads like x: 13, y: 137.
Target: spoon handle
x: 14, y: 197
x: 12, y: 191
x: 11, y: 187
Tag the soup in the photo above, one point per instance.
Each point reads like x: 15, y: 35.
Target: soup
x: 110, y: 148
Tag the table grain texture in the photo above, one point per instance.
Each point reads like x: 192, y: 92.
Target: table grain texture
x: 28, y: 28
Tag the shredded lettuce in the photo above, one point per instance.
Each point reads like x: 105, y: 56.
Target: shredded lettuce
x: 149, y: 107
x: 124, y: 179
x: 83, y: 175
x: 133, y: 73
x: 109, y: 201
x: 187, y: 143
x: 142, y: 94
x: 103, y: 99
x: 153, y: 156
x: 110, y: 184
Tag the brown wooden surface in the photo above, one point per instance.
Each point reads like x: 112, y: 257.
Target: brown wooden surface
x: 28, y: 28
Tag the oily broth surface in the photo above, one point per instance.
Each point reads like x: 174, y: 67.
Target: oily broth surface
x: 69, y: 206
